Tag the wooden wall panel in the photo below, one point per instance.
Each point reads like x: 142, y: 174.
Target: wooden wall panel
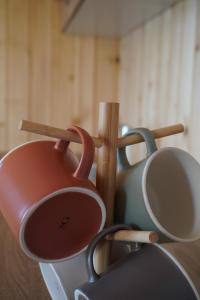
x: 158, y: 65
x: 40, y: 71
x: 17, y: 82
x: 62, y: 65
x: 84, y: 81
x: 106, y: 73
x: 3, y: 72
x: 20, y: 276
x: 47, y: 76
x: 194, y: 120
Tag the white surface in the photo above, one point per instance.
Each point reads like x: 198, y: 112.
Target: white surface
x: 62, y: 278
x: 114, y: 17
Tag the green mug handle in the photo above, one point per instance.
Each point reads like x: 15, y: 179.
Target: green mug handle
x: 150, y: 145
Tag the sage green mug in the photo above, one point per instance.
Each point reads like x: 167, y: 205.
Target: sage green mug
x: 161, y: 192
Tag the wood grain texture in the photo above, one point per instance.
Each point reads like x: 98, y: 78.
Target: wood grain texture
x: 158, y: 83
x: 157, y: 133
x: 47, y: 76
x: 20, y: 276
x: 106, y: 172
x: 3, y: 72
x: 40, y: 70
x: 54, y: 132
x: 106, y: 163
x: 59, y: 133
x: 134, y: 236
x: 17, y: 69
x: 188, y: 255
x: 194, y: 120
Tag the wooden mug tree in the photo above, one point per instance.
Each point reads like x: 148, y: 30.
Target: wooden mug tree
x: 107, y: 143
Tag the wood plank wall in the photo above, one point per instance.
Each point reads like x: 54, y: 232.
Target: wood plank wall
x: 159, y: 76
x: 49, y: 77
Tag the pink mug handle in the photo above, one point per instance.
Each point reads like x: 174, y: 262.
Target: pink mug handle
x: 87, y: 158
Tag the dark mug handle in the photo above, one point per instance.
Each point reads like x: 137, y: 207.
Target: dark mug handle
x: 150, y: 145
x: 92, y: 275
x: 87, y: 157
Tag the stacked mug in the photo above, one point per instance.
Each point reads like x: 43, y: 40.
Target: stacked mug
x: 55, y: 212
x: 161, y: 192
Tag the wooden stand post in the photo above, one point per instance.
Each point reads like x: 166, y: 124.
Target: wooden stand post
x: 106, y: 171
x: 106, y: 143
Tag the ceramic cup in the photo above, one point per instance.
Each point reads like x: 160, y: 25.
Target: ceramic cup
x: 48, y: 201
x: 188, y: 255
x: 161, y: 192
x: 149, y: 273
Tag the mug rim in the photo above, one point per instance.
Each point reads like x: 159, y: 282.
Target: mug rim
x: 50, y: 266
x: 147, y: 203
x: 35, y: 206
x: 78, y: 292
x: 21, y: 146
x: 181, y: 268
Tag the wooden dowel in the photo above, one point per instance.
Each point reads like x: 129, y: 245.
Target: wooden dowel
x: 106, y: 172
x: 106, y: 162
x: 157, y: 133
x: 54, y: 132
x: 134, y: 236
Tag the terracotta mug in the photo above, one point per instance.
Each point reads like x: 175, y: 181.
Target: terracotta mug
x: 148, y: 273
x: 48, y: 201
x: 161, y: 192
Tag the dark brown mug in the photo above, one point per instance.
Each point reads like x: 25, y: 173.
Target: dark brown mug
x: 148, y: 273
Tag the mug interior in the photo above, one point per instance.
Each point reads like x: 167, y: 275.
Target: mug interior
x: 62, y: 224
x: 172, y: 193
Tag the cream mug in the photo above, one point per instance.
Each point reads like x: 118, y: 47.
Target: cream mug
x: 161, y: 192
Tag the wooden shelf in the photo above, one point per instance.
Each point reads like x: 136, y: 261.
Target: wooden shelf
x: 111, y: 18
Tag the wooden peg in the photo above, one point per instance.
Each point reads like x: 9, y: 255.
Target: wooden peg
x: 134, y: 236
x: 54, y: 132
x: 59, y: 133
x: 157, y: 133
